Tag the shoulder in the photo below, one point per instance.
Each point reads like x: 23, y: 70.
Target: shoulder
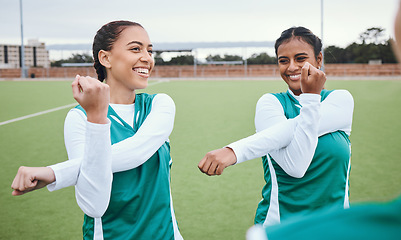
x: 75, y: 121
x: 268, y: 99
x: 158, y: 99
x: 76, y: 114
x: 342, y: 95
x: 162, y: 97
x: 163, y: 101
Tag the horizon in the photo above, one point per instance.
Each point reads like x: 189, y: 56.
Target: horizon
x: 206, y: 21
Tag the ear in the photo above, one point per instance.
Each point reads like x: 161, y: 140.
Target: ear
x: 104, y: 58
x: 319, y: 59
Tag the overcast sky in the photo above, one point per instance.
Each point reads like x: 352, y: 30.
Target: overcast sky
x: 76, y: 21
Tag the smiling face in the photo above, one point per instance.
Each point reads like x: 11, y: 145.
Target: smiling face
x: 292, y: 55
x: 129, y: 63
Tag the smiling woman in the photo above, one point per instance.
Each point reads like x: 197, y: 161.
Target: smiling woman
x: 292, y: 53
x: 322, y: 179
x: 117, y: 142
x: 306, y: 166
x: 126, y: 63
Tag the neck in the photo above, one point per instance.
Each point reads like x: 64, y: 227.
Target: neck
x: 118, y: 96
x: 296, y: 92
x: 119, y: 99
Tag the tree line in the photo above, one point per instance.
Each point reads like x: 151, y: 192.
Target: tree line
x: 371, y: 46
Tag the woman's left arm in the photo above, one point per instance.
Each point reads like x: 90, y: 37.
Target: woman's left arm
x: 336, y: 114
x: 337, y: 111
x: 129, y: 153
x: 296, y: 157
x: 153, y: 133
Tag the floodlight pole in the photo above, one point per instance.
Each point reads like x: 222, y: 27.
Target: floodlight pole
x: 195, y: 63
x: 245, y: 61
x: 23, y: 73
x: 321, y: 22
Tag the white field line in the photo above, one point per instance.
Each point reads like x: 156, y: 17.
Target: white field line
x: 37, y: 114
x: 159, y: 81
x: 52, y: 110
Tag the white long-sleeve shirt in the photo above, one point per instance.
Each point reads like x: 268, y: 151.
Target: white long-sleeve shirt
x: 127, y: 154
x: 292, y: 142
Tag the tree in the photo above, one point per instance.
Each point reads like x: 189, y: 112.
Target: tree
x: 262, y: 58
x: 158, y: 59
x: 75, y: 58
x: 80, y: 58
x: 181, y: 60
x: 333, y: 54
x: 226, y: 57
x: 211, y: 58
x: 371, y: 48
x: 362, y: 53
x: 372, y: 35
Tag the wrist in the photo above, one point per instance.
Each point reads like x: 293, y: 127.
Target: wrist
x: 47, y: 176
x: 99, y: 118
x: 233, y: 157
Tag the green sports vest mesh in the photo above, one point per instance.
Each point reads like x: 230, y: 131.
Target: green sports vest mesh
x: 139, y: 205
x: 324, y: 183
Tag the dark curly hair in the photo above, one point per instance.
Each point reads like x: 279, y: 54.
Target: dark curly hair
x: 104, y: 39
x: 303, y: 33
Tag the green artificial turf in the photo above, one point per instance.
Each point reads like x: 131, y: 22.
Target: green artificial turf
x: 209, y: 115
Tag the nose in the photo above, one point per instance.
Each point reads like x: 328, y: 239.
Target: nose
x: 146, y: 56
x: 293, y: 66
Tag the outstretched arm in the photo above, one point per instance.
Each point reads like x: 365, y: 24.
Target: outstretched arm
x: 31, y: 178
x: 277, y: 136
x: 95, y: 178
x: 336, y: 114
x: 127, y: 154
x: 294, y: 159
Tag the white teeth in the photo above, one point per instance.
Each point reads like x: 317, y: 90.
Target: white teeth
x: 142, y: 70
x: 295, y: 76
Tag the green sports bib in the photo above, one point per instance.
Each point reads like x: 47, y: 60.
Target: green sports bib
x: 139, y: 205
x: 324, y: 183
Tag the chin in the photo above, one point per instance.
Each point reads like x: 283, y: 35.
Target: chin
x: 142, y: 85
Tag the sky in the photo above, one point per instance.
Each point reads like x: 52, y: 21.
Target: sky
x: 76, y: 21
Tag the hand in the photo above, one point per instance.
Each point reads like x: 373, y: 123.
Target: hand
x: 312, y: 79
x: 93, y: 96
x: 31, y: 178
x: 214, y: 162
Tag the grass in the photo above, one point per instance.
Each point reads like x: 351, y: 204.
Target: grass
x: 210, y: 114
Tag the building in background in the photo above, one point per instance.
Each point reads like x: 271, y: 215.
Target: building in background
x: 36, y: 55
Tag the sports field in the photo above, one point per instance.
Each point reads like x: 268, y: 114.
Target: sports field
x: 210, y: 114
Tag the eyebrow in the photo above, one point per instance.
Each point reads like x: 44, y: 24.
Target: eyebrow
x: 139, y: 43
x: 296, y: 55
x: 300, y: 54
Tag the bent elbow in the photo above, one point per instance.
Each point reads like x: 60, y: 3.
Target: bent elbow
x: 297, y: 172
x: 93, y: 210
x: 297, y: 168
x: 95, y: 214
x: 91, y: 203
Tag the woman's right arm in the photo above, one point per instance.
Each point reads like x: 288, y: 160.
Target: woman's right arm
x: 336, y: 114
x: 288, y: 133
x: 294, y: 158
x: 95, y: 177
x: 267, y: 140
x: 278, y: 136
